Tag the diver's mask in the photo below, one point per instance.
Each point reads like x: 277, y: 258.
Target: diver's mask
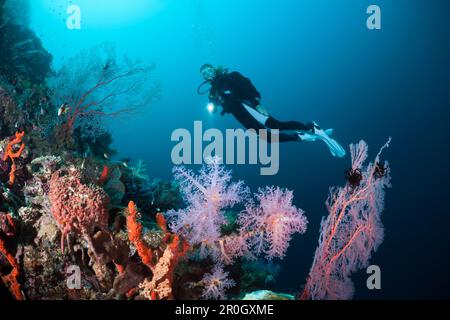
x: 208, y: 73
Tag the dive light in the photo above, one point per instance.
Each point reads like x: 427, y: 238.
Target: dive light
x: 211, y: 107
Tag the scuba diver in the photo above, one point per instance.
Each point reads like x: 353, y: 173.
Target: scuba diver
x: 237, y: 95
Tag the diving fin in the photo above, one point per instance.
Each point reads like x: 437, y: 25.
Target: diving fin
x: 309, y: 136
x: 324, y: 135
x: 329, y: 132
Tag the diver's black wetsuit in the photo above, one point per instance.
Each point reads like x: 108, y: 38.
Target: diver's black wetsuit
x: 233, y: 90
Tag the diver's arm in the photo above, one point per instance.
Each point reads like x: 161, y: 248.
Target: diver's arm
x: 257, y: 99
x: 228, y: 101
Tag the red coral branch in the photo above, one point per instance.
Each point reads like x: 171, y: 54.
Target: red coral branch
x: 11, y: 280
x: 12, y: 155
x: 160, y: 287
x: 104, y: 175
x: 135, y: 236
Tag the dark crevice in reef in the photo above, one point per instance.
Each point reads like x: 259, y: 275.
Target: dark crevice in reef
x: 23, y: 57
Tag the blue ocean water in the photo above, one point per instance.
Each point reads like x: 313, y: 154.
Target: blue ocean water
x: 311, y: 60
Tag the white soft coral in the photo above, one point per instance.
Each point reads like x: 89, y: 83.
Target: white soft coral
x: 271, y: 224
x: 216, y: 283
x: 207, y: 195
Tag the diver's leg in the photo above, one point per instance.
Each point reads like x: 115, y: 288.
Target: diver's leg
x: 273, y: 123
x: 283, y: 137
x: 252, y: 120
x: 304, y: 132
x: 256, y: 115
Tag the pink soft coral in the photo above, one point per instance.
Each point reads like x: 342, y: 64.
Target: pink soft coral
x: 78, y: 208
x: 206, y: 194
x: 264, y: 229
x: 351, y: 231
x: 270, y: 225
x: 215, y: 283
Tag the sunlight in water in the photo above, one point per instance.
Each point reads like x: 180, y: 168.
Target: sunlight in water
x: 105, y: 13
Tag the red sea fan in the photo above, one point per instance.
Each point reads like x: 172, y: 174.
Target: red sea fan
x: 78, y: 208
x: 270, y: 225
x: 351, y: 231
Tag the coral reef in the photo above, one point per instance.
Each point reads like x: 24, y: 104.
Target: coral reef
x: 77, y: 224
